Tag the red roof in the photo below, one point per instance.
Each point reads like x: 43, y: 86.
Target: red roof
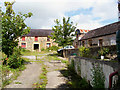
x: 83, y: 31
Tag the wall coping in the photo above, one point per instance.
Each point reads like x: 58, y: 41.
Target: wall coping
x: 115, y: 65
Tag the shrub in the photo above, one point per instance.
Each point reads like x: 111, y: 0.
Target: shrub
x: 42, y: 49
x: 103, y: 51
x: 53, y: 48
x: 98, y: 77
x: 84, y: 52
x: 15, y: 61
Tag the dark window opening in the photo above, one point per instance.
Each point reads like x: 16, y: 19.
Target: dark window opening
x: 83, y: 43
x: 36, y: 47
x: 90, y: 42
x: 100, y: 42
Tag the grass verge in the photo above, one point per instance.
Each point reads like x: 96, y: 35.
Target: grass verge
x: 43, y: 78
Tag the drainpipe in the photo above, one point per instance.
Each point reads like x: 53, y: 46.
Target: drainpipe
x: 110, y: 78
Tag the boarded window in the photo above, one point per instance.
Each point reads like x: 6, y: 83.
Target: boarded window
x: 36, y: 38
x: 23, y: 45
x: 23, y: 38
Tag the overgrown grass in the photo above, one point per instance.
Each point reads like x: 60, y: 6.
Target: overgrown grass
x: 6, y: 70
x: 74, y: 81
x: 29, y: 53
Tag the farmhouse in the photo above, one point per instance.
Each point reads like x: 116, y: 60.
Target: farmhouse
x: 37, y: 39
x: 103, y: 36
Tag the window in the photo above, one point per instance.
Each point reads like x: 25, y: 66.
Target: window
x: 36, y: 38
x: 90, y: 43
x: 23, y: 45
x: 23, y: 38
x: 48, y: 45
x: 48, y: 39
x: 100, y: 42
x: 83, y: 43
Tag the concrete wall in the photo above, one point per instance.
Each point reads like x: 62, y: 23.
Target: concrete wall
x: 83, y: 68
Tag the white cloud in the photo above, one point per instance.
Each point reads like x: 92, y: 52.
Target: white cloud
x: 46, y: 11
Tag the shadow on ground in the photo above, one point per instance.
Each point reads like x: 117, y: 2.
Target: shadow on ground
x: 73, y: 80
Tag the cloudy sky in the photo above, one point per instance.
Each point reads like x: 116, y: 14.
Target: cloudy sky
x: 88, y: 14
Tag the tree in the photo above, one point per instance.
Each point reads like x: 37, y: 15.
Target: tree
x: 63, y: 33
x: 13, y: 26
x: 0, y: 30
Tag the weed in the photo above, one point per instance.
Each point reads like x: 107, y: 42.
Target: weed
x: 43, y: 78
x: 18, y: 83
x: 98, y: 77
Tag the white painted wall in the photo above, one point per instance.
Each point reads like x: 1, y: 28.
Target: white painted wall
x: 86, y: 66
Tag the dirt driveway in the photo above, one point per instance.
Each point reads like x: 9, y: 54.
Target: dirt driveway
x: 33, y: 70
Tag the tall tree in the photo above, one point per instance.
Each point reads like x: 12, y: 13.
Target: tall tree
x: 63, y: 32
x: 13, y: 26
x: 0, y: 29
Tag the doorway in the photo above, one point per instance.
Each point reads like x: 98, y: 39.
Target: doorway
x: 36, y: 47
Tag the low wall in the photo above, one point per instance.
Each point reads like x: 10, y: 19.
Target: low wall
x: 83, y: 68
x: 69, y: 52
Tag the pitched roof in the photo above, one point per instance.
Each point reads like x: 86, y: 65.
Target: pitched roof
x: 39, y: 32
x: 105, y: 30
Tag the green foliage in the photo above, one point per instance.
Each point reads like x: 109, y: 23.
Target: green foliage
x: 53, y: 48
x: 103, y: 51
x: 43, y: 78
x: 24, y: 50
x: 84, y: 52
x: 98, y: 77
x: 42, y: 49
x: 63, y: 32
x: 13, y: 26
x: 6, y: 71
x: 0, y: 30
x: 75, y: 81
x: 15, y: 61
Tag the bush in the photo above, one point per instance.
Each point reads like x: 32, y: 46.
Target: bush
x: 15, y: 60
x: 103, y: 51
x: 84, y: 52
x: 23, y: 49
x: 53, y: 48
x: 98, y: 77
x: 42, y: 49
